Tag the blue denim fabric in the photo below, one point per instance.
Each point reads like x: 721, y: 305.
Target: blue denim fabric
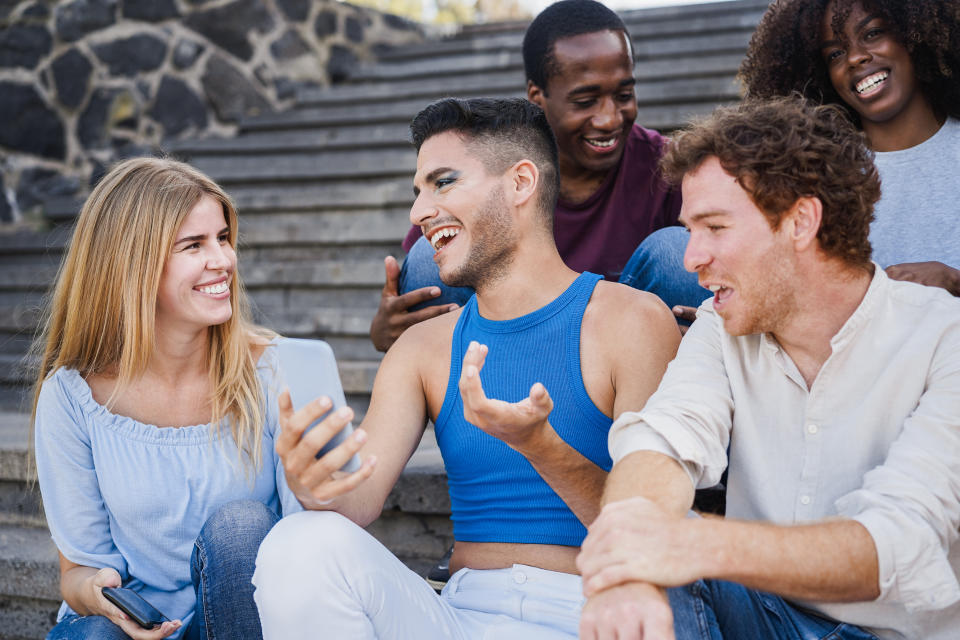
x: 419, y: 270
x: 718, y: 610
x: 657, y: 266
x: 221, y: 568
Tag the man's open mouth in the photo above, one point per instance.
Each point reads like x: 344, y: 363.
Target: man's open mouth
x: 439, y: 238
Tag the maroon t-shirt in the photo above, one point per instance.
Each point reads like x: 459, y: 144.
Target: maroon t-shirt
x: 601, y: 233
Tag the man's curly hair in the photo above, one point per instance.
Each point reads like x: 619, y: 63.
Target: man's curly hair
x: 784, y: 53
x: 783, y: 149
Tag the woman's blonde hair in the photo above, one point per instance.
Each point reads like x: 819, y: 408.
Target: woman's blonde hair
x: 101, y: 315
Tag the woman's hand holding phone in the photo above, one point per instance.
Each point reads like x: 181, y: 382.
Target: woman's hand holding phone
x: 101, y: 606
x: 316, y: 481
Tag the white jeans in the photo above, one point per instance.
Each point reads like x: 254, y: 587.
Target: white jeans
x: 320, y: 576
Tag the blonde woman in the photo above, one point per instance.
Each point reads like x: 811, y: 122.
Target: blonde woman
x: 155, y: 412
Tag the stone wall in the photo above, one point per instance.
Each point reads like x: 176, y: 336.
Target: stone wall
x: 85, y: 82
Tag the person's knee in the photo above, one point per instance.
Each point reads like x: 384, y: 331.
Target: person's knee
x: 238, y: 523
x: 304, y: 554
x: 309, y: 540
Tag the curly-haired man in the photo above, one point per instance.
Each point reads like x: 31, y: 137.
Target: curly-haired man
x: 830, y: 390
x: 895, y: 67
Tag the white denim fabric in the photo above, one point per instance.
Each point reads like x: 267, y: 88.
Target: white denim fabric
x: 321, y: 576
x: 876, y: 438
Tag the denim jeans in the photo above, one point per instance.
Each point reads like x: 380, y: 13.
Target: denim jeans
x: 419, y: 270
x: 221, y: 567
x: 718, y: 610
x: 656, y: 266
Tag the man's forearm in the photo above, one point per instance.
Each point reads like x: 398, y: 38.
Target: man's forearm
x: 651, y: 475
x: 576, y: 479
x: 830, y: 561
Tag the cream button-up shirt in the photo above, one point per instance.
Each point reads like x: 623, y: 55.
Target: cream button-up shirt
x: 875, y: 438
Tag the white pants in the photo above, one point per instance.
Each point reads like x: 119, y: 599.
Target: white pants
x: 320, y: 576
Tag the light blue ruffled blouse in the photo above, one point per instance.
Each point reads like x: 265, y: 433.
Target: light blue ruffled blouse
x: 132, y: 496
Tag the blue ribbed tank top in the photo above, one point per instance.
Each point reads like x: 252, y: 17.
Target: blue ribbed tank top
x: 495, y: 493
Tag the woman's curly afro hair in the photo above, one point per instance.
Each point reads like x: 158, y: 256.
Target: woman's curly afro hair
x: 784, y: 53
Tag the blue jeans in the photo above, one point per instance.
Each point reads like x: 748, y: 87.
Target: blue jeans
x: 718, y: 610
x: 221, y: 567
x: 419, y: 270
x: 656, y: 266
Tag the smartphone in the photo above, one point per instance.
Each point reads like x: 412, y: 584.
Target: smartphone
x: 310, y: 371
x: 130, y: 602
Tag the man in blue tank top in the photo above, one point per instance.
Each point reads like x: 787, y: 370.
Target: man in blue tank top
x: 522, y: 384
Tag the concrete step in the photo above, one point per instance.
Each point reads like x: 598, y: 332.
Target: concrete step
x: 641, y: 28
x: 343, y: 137
x: 673, y: 91
x: 653, y: 48
x: 277, y: 166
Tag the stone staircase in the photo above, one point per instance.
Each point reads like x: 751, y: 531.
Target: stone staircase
x: 323, y: 192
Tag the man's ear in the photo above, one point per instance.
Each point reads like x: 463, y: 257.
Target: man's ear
x: 524, y: 177
x: 806, y: 215
x: 535, y: 94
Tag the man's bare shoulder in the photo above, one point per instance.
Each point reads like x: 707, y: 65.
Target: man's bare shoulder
x: 616, y: 306
x: 421, y: 344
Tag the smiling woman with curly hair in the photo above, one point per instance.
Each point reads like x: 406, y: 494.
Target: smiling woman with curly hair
x: 895, y: 67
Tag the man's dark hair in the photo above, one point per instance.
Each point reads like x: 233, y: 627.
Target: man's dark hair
x: 785, y: 54
x: 501, y: 131
x: 783, y: 149
x: 563, y: 19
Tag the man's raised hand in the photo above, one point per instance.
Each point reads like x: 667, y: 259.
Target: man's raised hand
x: 518, y: 424
x: 393, y: 315
x: 317, y: 481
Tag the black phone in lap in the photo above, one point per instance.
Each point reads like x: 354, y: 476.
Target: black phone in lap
x: 132, y: 604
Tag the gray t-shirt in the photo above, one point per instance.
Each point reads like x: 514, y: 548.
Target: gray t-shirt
x: 918, y: 212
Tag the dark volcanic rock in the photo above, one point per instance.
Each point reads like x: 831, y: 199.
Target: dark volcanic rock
x: 289, y: 45
x: 133, y: 55
x: 296, y: 10
x: 354, y: 29
x: 107, y: 109
x: 80, y: 17
x: 37, y: 185
x: 396, y: 22
x: 232, y: 95
x: 71, y: 72
x: 326, y: 23
x: 150, y: 10
x: 36, y: 10
x: 27, y: 124
x: 24, y: 45
x: 186, y: 52
x: 227, y: 26
x: 341, y: 64
x: 177, y: 107
x: 6, y: 211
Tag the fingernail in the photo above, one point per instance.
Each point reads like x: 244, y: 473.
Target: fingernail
x: 454, y: 307
x: 473, y: 345
x: 435, y: 292
x: 360, y: 435
x: 343, y: 412
x: 372, y: 461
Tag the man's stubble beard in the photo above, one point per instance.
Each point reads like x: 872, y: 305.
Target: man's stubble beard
x: 492, y: 249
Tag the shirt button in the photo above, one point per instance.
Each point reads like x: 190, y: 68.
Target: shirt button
x: 804, y: 500
x: 812, y: 429
x: 519, y: 577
